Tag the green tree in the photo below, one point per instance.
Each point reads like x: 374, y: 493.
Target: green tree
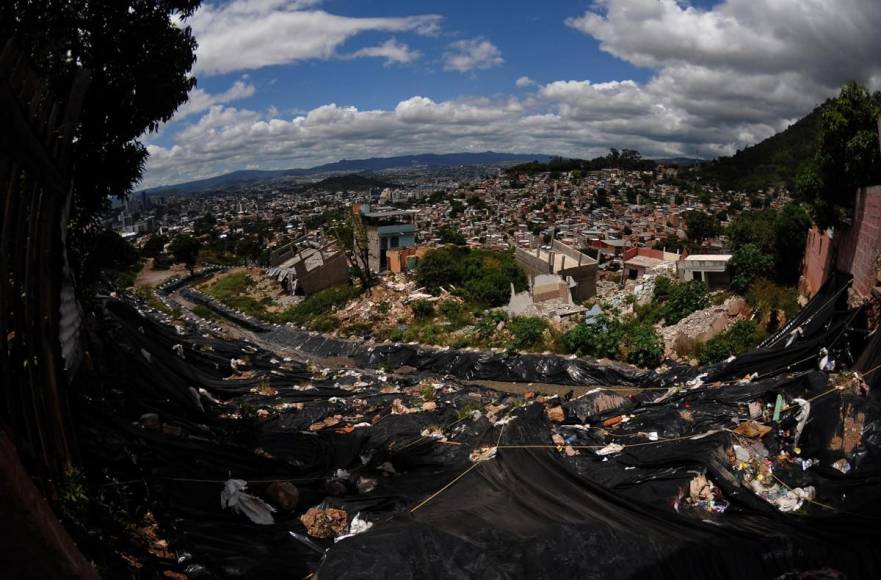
x: 351, y: 236
x: 185, y: 249
x: 790, y: 235
x: 154, y: 247
x: 847, y: 156
x: 749, y: 263
x: 700, y: 226
x: 138, y: 53
x: 450, y: 236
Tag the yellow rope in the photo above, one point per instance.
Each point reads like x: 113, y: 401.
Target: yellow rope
x: 444, y: 488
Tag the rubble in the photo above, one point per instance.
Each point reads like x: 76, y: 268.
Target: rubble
x: 325, y: 523
x: 700, y: 326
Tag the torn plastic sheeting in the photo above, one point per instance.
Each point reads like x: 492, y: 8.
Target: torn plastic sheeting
x: 233, y: 497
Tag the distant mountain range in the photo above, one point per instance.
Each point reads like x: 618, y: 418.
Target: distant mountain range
x: 244, y: 177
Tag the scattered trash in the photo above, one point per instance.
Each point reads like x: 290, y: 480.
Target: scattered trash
x: 233, y: 497
x: 325, y: 523
x: 285, y: 494
x: 610, y: 449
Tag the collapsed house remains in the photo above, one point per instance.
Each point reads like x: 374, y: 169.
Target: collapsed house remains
x: 309, y: 270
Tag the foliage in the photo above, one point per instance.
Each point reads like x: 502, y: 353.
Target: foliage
x: 747, y: 264
x: 672, y: 301
x: 232, y: 289
x: 450, y: 236
x: 634, y: 341
x: 108, y: 252
x: 454, y: 312
x: 154, y: 246
x: 319, y: 304
x: 847, y: 155
x: 185, y: 249
x: 779, y: 234
x: 422, y: 309
x: 701, y: 226
x: 351, y: 235
x: 642, y: 345
x: 139, y: 54
x: 741, y: 337
x: 527, y: 331
x: 776, y: 161
x: 204, y: 312
x: 766, y: 296
x: 627, y: 159
x: 481, y: 277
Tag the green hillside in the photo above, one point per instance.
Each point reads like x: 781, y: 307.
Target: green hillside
x: 775, y: 161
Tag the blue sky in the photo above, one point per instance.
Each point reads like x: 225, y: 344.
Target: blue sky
x: 290, y: 83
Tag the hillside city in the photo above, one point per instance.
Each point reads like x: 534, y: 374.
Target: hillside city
x: 446, y: 289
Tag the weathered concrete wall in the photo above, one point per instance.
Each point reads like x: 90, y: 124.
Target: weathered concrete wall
x: 860, y: 246
x: 817, y: 261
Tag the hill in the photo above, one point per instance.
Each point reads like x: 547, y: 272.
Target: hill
x: 245, y: 177
x: 348, y: 182
x: 776, y: 161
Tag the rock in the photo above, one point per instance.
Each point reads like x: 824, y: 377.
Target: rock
x: 752, y: 429
x: 556, y: 414
x: 325, y: 524
x: 284, y: 494
x: 151, y: 422
x: 429, y: 406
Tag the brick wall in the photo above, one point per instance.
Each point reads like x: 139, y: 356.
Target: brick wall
x: 816, y: 264
x: 860, y: 246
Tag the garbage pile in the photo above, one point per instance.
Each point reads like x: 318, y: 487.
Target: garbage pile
x: 766, y: 466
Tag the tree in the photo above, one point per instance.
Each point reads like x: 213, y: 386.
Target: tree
x: 700, y: 226
x: 749, y: 263
x: 138, y: 53
x: 154, y: 247
x: 450, y: 236
x: 186, y: 250
x: 351, y: 235
x: 847, y: 155
x: 790, y: 235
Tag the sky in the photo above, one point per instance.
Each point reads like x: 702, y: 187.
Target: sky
x: 296, y: 83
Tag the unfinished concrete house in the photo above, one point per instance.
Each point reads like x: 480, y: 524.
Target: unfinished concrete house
x: 564, y: 261
x: 306, y: 271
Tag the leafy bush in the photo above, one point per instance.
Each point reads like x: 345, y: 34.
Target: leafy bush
x: 766, y: 296
x: 749, y: 263
x: 673, y: 301
x: 527, y: 331
x: 632, y: 340
x: 642, y: 345
x: 741, y: 337
x: 422, y: 309
x: 481, y: 277
x: 232, y: 289
x: 599, y: 339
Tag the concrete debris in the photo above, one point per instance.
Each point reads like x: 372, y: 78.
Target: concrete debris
x: 698, y: 327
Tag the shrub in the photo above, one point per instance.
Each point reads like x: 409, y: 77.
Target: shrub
x: 766, y: 296
x: 422, y: 309
x: 599, y: 339
x: 481, y: 277
x: 741, y: 337
x: 527, y: 331
x: 749, y: 263
x: 318, y: 305
x: 642, y: 345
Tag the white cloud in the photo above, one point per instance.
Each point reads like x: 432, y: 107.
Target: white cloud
x: 250, y: 34
x: 523, y: 82
x: 391, y: 50
x: 721, y: 79
x: 199, y: 100
x: 476, y: 53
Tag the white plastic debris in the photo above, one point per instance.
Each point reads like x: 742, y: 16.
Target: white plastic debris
x: 179, y: 350
x: 358, y: 526
x: 610, y: 449
x: 234, y: 497
x: 802, y: 417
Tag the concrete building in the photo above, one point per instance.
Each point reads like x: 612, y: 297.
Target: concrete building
x: 312, y: 269
x: 564, y: 261
x: 711, y: 268
x: 637, y: 261
x: 386, y: 229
